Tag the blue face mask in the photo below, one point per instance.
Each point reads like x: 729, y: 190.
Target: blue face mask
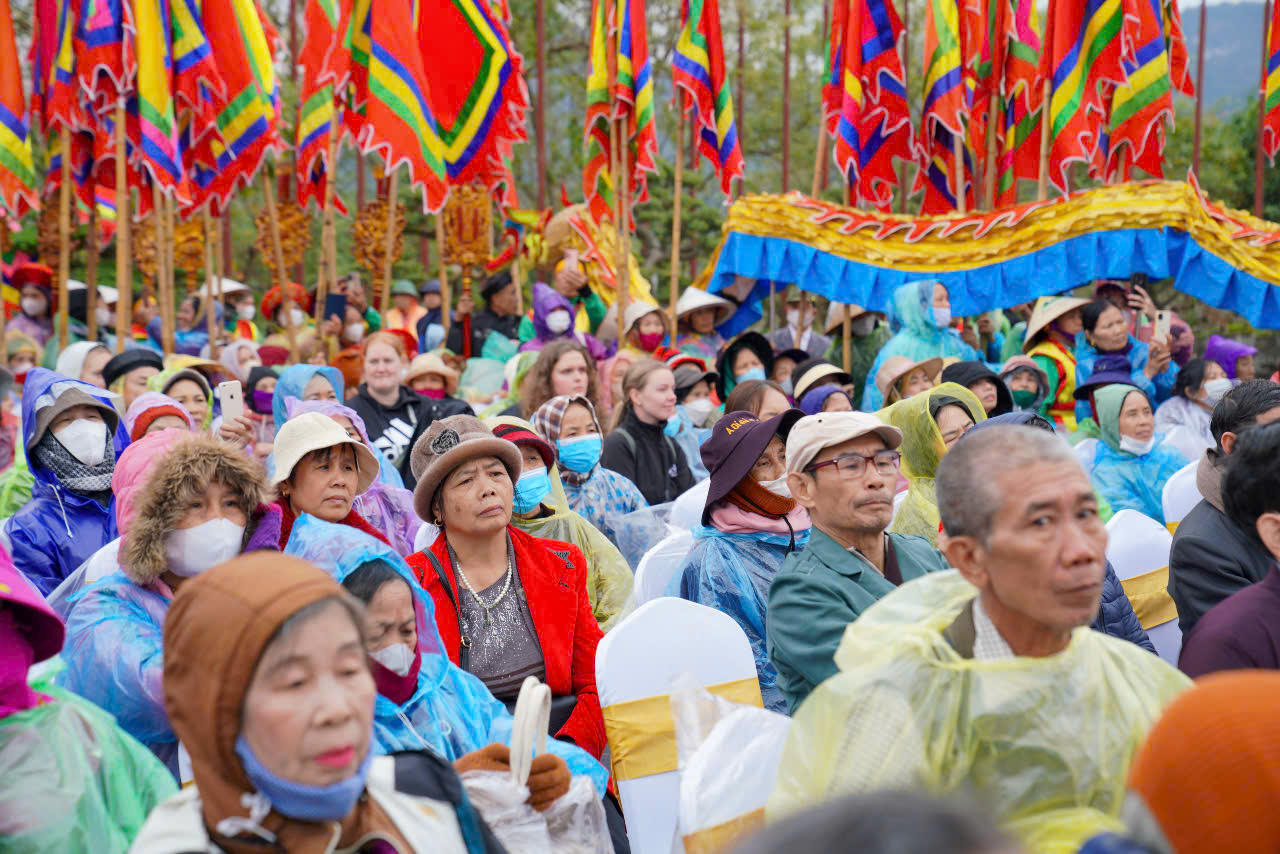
x: 581, y: 453
x: 753, y: 374
x: 531, y: 488
x: 673, y: 426
x: 300, y: 801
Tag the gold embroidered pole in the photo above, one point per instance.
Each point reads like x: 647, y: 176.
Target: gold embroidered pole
x: 393, y: 185
x: 282, y: 276
x: 210, y: 301
x: 64, y: 237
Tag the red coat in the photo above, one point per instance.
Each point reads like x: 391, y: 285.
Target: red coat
x: 554, y: 576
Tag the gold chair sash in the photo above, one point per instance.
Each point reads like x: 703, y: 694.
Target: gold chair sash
x: 1149, y: 595
x: 713, y: 840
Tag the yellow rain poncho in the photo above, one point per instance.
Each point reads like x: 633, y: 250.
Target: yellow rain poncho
x: 609, y: 578
x: 921, y: 450
x: 1043, y: 743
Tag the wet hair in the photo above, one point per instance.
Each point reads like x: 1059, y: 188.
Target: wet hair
x: 749, y: 396
x: 1091, y: 313
x: 368, y: 578
x: 1252, y: 483
x: 536, y: 388
x: 1191, y: 377
x: 884, y: 823
x: 1239, y: 408
x: 968, y: 478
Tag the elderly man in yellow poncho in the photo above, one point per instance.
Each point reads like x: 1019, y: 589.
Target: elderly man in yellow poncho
x: 986, y: 680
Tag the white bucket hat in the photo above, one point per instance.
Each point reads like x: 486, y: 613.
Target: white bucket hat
x: 695, y: 298
x: 312, y: 431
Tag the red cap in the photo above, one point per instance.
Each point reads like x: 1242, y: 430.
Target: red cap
x: 524, y: 436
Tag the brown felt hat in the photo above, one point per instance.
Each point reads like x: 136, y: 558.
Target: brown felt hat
x: 447, y: 444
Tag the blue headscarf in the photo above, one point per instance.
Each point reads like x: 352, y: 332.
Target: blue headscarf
x: 291, y: 383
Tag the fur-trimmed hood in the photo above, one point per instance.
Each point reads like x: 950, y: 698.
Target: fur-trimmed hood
x: 157, y: 510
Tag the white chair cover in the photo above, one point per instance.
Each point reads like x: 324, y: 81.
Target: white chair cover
x: 1085, y: 452
x: 1180, y: 494
x: 686, y: 511
x: 659, y: 564
x: 1187, y: 441
x: 640, y: 658
x: 1138, y: 545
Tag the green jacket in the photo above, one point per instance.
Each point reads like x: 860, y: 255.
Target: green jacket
x: 817, y: 593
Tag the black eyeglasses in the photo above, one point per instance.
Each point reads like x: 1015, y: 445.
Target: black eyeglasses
x: 855, y: 465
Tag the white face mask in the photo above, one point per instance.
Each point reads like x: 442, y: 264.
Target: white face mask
x: 354, y: 332
x: 86, y: 440
x: 103, y: 315
x: 191, y: 551
x: 1138, y: 448
x: 941, y: 316
x: 795, y: 321
x: 558, y: 322
x: 33, y: 306
x: 397, y: 658
x: 778, y: 487
x: 699, y: 410
x: 1216, y: 389
x: 297, y: 317
x: 247, y: 311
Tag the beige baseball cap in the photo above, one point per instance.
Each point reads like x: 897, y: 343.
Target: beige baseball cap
x: 812, y: 434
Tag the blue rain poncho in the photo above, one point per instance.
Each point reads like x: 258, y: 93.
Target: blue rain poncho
x: 732, y: 573
x: 452, y: 713
x: 1158, y: 390
x: 690, y: 439
x: 71, y: 780
x: 115, y: 659
x: 917, y: 338
x: 1125, y: 480
x: 604, y: 498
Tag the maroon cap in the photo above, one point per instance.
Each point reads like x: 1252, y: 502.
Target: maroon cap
x: 736, y: 442
x: 524, y: 436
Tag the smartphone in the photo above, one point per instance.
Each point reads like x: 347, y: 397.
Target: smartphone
x: 335, y: 304
x: 232, y: 399
x: 1163, y: 318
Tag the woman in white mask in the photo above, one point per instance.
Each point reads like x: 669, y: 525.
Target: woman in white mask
x: 1185, y: 417
x: 202, y: 504
x: 1133, y: 462
x: 750, y: 523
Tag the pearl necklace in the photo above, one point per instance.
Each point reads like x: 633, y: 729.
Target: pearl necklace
x: 488, y: 621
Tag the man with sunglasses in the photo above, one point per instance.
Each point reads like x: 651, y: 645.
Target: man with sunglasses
x: 843, y: 467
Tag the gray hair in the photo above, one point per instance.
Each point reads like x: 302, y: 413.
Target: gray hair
x: 967, y: 481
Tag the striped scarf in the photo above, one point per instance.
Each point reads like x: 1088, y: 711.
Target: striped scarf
x: 546, y: 422
x: 75, y: 476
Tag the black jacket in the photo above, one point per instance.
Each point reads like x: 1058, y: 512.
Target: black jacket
x: 652, y: 461
x: 1116, y: 616
x: 393, y: 429
x: 1211, y: 558
x: 482, y: 323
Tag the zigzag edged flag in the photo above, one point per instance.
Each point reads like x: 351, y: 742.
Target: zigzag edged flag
x: 946, y: 109
x: 53, y: 67
x: 105, y: 64
x: 391, y: 109
x: 318, y: 114
x: 17, y: 169
x: 1142, y: 109
x: 1019, y: 147
x: 633, y: 96
x: 478, y: 94
x: 154, y: 107
x: 1179, y: 65
x: 597, y: 183
x: 1271, y: 88
x: 1083, y: 58
x: 698, y: 66
x: 864, y: 99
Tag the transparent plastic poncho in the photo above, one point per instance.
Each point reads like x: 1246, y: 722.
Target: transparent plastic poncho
x: 452, y: 712
x: 1043, y: 743
x: 71, y: 780
x: 922, y: 449
x: 732, y: 573
x: 1130, y: 482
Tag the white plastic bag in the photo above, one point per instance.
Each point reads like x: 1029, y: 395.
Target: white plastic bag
x: 574, y: 824
x: 728, y: 755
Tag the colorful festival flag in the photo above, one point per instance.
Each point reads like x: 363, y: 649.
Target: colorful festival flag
x: 105, y: 63
x: 318, y: 114
x: 17, y: 170
x: 1083, y: 58
x: 1141, y: 108
x: 698, y: 67
x: 157, y: 120
x: 597, y: 183
x: 864, y: 99
x: 633, y: 97
x: 1271, y: 88
x: 945, y: 113
x: 53, y: 71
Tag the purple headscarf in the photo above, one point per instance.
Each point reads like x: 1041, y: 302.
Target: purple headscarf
x: 1225, y: 352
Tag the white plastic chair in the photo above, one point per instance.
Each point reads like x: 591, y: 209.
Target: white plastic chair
x: 640, y: 658
x: 1180, y: 495
x: 659, y: 564
x: 686, y: 511
x: 1187, y: 441
x: 1139, y: 544
x: 1085, y: 453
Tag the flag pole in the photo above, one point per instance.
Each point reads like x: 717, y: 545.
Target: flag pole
x: 1262, y: 107
x: 170, y: 280
x: 903, y: 190
x: 1195, y: 145
x: 91, y: 269
x: 957, y: 147
x: 846, y: 319
x: 444, y: 278
x: 1042, y: 191
x: 820, y: 154
x: 282, y: 275
x: 540, y: 114
x: 624, y: 242
x: 162, y: 292
x: 786, y: 96
x: 389, y: 243
x: 124, y: 284
x: 328, y: 275
x: 64, y: 237
x: 675, y: 217
x: 989, y: 174
x: 210, y: 306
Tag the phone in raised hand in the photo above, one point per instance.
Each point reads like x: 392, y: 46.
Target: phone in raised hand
x: 232, y: 397
x: 1163, y: 322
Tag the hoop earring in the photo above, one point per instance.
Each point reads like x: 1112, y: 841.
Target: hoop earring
x: 438, y: 522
